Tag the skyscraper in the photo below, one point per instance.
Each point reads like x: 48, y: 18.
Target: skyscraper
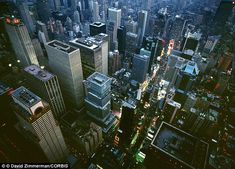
x: 121, y: 35
x: 46, y: 85
x: 114, y: 62
x: 142, y: 20
x: 65, y: 62
x: 191, y: 41
x: 140, y: 67
x: 97, y: 101
x: 24, y: 12
x: 155, y: 46
x: 131, y: 39
x: 42, y: 28
x: 91, y: 56
x: 76, y: 17
x: 127, y: 123
x: 96, y: 28
x: 21, y: 42
x: 43, y: 10
x: 38, y: 124
x: 187, y: 76
x: 114, y: 15
x: 95, y: 12
x: 223, y: 12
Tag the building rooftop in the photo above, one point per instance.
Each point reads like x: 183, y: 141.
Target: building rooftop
x: 39, y: 73
x: 61, y: 46
x: 86, y: 43
x: 181, y: 146
x: 97, y: 24
x: 191, y: 68
x: 25, y: 97
x: 98, y: 78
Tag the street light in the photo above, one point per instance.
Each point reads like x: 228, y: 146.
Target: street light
x: 18, y: 61
x: 10, y: 65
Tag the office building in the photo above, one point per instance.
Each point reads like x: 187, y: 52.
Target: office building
x: 38, y: 124
x: 89, y: 139
x: 142, y: 21
x: 222, y: 14
x: 174, y: 148
x: 76, y: 17
x: 177, y: 28
x: 46, y: 85
x: 170, y: 110
x: 26, y: 17
x: 44, y: 14
x: 65, y: 63
x: 21, y: 42
x: 95, y: 12
x: 191, y: 41
x: 160, y: 22
x: 7, y: 116
x: 97, y: 28
x: 121, y: 36
x: 210, y: 44
x: 103, y: 41
x: 131, y: 26
x: 97, y: 99
x: 127, y: 122
x: 201, y: 123
x: 131, y: 39
x: 112, y: 33
x: 91, y: 56
x: 114, y: 15
x: 155, y: 46
x: 187, y: 76
x: 114, y: 62
x: 40, y: 26
x: 140, y: 67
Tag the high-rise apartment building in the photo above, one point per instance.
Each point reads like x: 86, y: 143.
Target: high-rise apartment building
x: 46, y: 85
x: 38, y: 124
x: 65, y: 62
x: 21, y: 42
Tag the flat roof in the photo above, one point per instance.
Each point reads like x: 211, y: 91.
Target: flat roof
x: 98, y: 78
x: 39, y: 73
x: 25, y: 96
x: 180, y: 145
x: 84, y: 42
x: 97, y: 24
x: 61, y: 46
